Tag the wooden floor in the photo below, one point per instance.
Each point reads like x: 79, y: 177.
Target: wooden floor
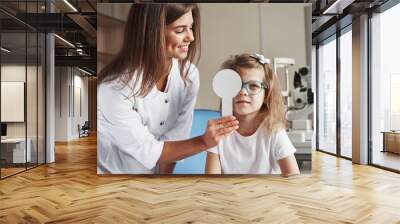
x: 70, y: 191
x: 387, y: 159
x: 10, y: 171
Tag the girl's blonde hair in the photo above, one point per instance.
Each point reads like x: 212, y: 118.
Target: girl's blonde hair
x: 273, y: 103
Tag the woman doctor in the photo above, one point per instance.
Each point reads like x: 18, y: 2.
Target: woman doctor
x: 146, y: 95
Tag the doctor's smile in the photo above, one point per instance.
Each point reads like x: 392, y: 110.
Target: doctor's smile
x: 179, y: 35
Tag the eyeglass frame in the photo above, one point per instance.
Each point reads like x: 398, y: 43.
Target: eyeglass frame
x: 246, y: 85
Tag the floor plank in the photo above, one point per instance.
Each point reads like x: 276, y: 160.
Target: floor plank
x: 70, y: 191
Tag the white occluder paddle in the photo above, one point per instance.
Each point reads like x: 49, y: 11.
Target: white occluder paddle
x: 227, y: 84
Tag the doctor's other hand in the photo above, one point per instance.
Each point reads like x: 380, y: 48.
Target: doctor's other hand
x: 218, y: 129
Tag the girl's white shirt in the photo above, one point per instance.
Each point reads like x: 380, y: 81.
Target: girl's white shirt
x: 255, y: 154
x: 131, y: 130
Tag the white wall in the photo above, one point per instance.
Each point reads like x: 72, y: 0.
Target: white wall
x: 16, y: 72
x: 61, y: 103
x: 33, y: 125
x: 80, y: 109
x: 275, y: 30
x: 13, y: 73
x: 226, y: 29
x: 286, y: 30
x: 12, y: 101
x: 70, y: 83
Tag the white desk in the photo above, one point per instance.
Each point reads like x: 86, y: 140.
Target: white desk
x: 302, y: 141
x: 17, y: 147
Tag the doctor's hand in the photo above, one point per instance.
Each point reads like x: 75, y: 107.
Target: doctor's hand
x: 218, y: 129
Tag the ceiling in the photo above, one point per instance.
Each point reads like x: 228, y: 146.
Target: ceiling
x: 76, y: 22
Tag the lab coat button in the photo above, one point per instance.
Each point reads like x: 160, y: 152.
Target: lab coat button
x: 162, y: 123
x: 166, y: 101
x: 134, y: 108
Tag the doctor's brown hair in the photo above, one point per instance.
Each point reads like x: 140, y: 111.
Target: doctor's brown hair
x: 273, y: 106
x: 142, y: 57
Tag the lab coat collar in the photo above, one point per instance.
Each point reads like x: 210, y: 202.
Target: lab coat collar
x: 127, y: 89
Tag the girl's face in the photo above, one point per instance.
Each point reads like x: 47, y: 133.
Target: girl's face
x: 179, y: 35
x: 248, y: 102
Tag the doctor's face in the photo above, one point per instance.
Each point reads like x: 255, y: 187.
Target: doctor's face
x: 178, y: 36
x: 251, y: 97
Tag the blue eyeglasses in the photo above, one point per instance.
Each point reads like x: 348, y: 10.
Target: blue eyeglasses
x: 253, y: 87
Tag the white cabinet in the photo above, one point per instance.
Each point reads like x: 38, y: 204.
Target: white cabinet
x: 15, y: 148
x: 12, y: 101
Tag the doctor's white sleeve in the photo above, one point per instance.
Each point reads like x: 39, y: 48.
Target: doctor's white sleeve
x: 125, y: 129
x: 183, y: 124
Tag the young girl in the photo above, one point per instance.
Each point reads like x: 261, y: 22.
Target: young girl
x: 260, y: 145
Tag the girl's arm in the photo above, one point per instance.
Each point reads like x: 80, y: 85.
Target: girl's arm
x: 289, y: 166
x: 213, y: 165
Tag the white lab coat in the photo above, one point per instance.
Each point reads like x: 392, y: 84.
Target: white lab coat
x: 131, y: 130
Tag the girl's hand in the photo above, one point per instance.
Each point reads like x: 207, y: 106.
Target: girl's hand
x: 218, y: 129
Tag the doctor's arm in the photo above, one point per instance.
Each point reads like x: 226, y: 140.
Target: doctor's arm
x: 132, y: 138
x: 216, y: 130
